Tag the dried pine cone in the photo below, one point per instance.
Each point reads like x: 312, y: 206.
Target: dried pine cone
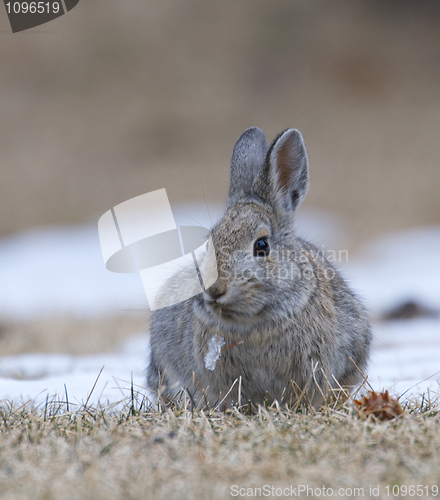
x: 380, y: 405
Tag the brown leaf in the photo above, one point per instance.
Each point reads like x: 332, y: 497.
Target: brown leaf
x: 381, y: 405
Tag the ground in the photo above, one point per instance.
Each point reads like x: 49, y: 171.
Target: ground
x: 176, y: 454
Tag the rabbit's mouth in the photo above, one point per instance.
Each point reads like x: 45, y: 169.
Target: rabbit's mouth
x: 220, y: 309
x: 217, y: 308
x: 226, y: 312
x: 232, y: 316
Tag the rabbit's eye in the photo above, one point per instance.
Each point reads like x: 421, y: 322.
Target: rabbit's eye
x: 261, y: 247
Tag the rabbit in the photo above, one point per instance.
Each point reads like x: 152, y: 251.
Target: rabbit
x: 279, y: 317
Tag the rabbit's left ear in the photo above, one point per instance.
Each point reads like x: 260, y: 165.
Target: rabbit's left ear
x: 247, y: 159
x: 284, y: 179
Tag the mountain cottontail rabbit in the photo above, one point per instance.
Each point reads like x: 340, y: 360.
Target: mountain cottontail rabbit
x: 278, y: 315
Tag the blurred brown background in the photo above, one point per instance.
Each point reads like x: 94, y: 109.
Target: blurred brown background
x: 120, y: 97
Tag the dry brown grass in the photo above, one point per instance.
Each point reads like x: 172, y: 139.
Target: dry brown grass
x: 48, y: 453
x: 70, y: 334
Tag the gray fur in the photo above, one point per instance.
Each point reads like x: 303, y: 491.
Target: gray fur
x: 298, y: 319
x: 248, y: 156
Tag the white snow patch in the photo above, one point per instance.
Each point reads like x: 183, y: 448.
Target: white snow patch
x: 61, y: 270
x: 405, y: 354
x: 50, y: 375
x: 215, y: 345
x: 398, y: 267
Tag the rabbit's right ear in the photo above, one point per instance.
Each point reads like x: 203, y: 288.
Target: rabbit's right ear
x: 247, y: 159
x: 284, y: 179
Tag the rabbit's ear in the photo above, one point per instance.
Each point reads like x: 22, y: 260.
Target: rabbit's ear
x: 247, y: 159
x: 284, y: 179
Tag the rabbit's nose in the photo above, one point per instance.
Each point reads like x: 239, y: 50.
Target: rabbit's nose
x: 216, y: 290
